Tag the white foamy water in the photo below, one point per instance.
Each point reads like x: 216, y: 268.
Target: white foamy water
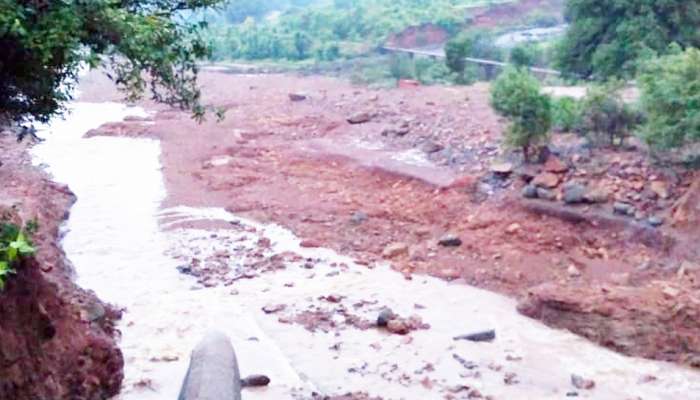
x: 124, y: 247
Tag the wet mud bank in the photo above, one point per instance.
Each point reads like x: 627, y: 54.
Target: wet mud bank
x: 57, y: 341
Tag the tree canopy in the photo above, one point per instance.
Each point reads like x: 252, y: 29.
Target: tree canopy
x: 607, y: 38
x: 671, y: 99
x: 147, y: 45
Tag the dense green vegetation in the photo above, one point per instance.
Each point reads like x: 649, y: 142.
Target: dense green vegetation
x: 14, y: 245
x: 566, y: 114
x: 147, y: 44
x: 604, y: 117
x: 517, y: 96
x: 327, y: 30
x: 609, y: 38
x: 671, y: 99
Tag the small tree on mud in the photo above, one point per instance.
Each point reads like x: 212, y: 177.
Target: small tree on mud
x: 516, y: 95
x: 605, y: 118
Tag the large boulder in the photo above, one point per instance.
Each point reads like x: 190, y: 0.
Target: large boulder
x: 213, y: 372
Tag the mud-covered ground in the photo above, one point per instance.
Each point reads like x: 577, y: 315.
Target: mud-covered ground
x: 603, y: 245
x: 56, y: 340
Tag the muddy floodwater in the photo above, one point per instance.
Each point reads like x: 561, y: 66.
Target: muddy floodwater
x: 127, y: 248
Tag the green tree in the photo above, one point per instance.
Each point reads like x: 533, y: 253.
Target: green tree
x: 521, y: 56
x: 566, y: 114
x: 456, y: 51
x: 145, y: 44
x: 516, y: 95
x: 302, y: 44
x: 607, y: 38
x: 671, y: 99
x: 604, y: 116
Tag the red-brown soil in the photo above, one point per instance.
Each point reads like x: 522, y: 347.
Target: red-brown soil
x: 299, y: 164
x: 425, y: 35
x: 513, y: 13
x: 56, y: 340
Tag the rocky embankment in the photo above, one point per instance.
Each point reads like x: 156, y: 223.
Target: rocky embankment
x: 57, y: 341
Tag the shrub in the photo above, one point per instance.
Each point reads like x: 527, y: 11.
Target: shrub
x: 605, y: 118
x: 516, y: 95
x: 566, y: 114
x: 431, y: 72
x: 670, y: 99
x: 14, y: 245
x: 523, y: 56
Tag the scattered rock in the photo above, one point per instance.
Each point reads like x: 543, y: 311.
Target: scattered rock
x: 295, y: 97
x: 574, y: 193
x: 403, y: 130
x: 530, y: 192
x: 546, y: 194
x: 502, y: 168
x: 582, y: 383
x: 386, y: 314
x: 360, y: 118
x: 596, y: 195
x: 510, y: 378
x: 546, y: 180
x: 255, y: 381
x: 485, y: 336
x: 397, y: 326
x: 513, y: 228
x: 431, y: 147
x: 273, y: 308
x: 555, y: 165
x: 400, y: 131
x: 450, y: 240
x: 573, y: 271
x: 660, y: 189
x: 624, y: 209
x: 185, y: 269
x: 394, y: 250
x: 689, y: 266
x: 358, y: 217
x: 655, y: 221
x: 310, y: 244
x: 527, y: 172
x: 449, y: 274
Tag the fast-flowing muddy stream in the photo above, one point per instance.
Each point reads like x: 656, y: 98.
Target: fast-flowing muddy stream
x: 127, y: 249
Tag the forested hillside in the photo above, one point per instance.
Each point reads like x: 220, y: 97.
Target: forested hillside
x: 326, y: 30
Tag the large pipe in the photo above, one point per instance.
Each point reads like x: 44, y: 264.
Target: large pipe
x: 213, y: 371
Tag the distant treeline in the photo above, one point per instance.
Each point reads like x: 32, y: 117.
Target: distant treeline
x: 325, y: 30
